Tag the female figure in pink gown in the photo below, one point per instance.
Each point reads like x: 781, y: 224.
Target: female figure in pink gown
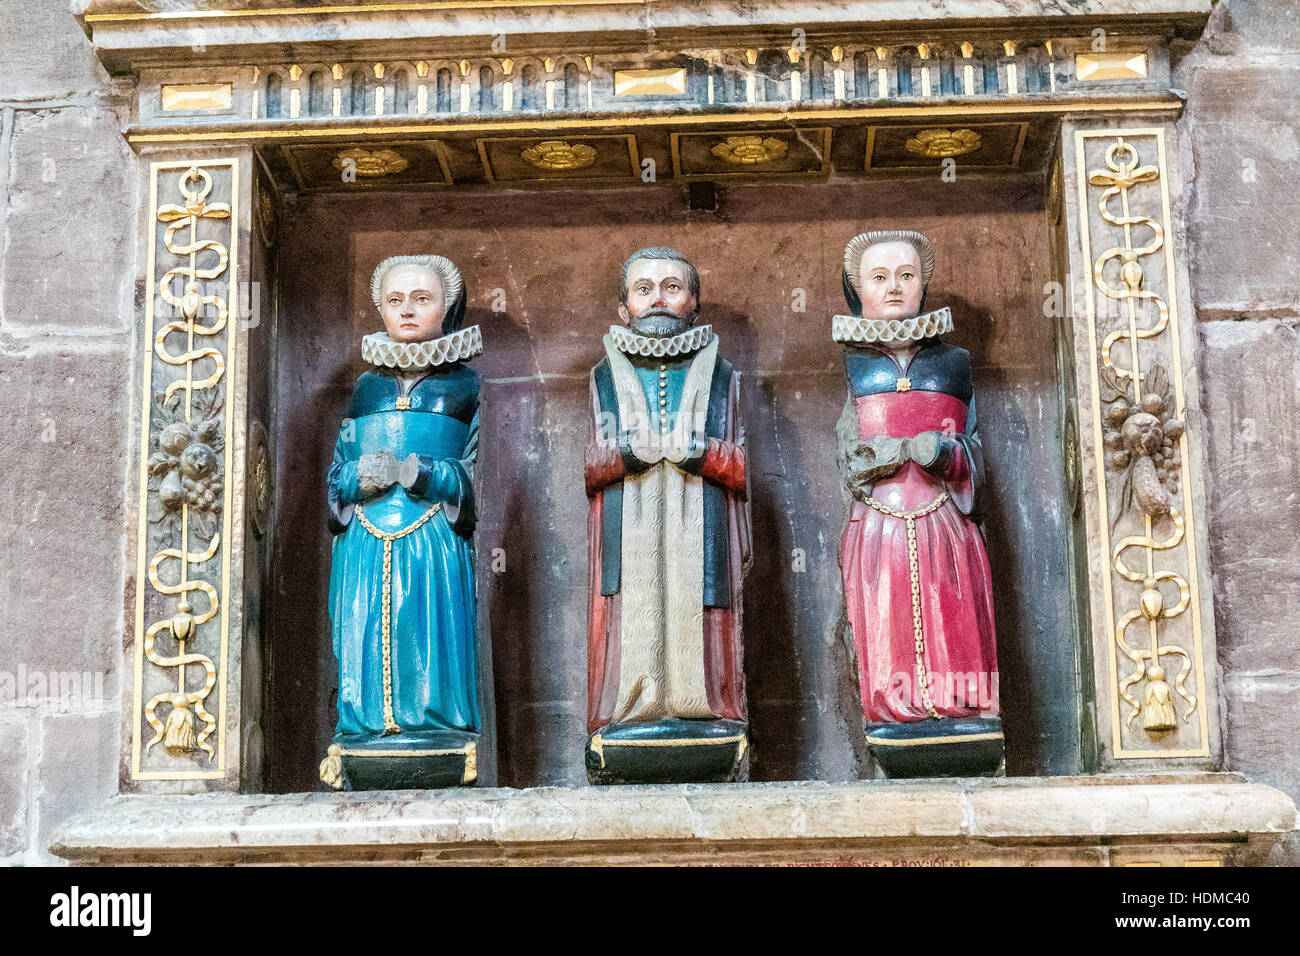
x: 917, y: 586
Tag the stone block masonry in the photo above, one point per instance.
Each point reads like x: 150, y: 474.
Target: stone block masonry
x: 67, y: 225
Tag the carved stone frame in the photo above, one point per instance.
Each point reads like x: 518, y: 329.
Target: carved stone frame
x: 1139, y: 236
x: 1134, y: 123
x: 191, y: 346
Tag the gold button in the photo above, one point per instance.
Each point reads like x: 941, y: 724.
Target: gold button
x: 663, y: 368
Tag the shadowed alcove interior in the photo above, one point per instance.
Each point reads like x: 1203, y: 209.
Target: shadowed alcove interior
x: 541, y: 270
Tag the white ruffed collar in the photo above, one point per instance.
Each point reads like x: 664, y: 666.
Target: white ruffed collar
x: 855, y: 330
x: 653, y: 346
x: 378, y: 349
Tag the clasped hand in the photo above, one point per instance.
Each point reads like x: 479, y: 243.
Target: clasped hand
x: 378, y: 472
x: 882, y: 455
x: 654, y: 449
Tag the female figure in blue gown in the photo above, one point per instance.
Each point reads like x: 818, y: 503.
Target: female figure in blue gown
x: 401, y: 497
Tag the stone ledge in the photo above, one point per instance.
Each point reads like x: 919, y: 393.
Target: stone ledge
x: 127, y: 36
x: 1096, y: 820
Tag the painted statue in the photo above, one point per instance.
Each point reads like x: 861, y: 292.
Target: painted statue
x: 402, y: 511
x: 917, y: 586
x: 668, y: 540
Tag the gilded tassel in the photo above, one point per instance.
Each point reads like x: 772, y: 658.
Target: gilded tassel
x: 331, y: 768
x: 1158, y: 714
x: 179, y: 737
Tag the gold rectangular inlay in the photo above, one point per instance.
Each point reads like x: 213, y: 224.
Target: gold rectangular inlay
x: 1110, y: 66
x: 197, y: 96
x: 650, y: 82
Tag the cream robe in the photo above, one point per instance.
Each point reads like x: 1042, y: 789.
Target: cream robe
x: 661, y: 664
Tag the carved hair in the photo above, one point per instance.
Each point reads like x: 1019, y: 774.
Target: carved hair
x: 859, y: 244
x: 452, y: 283
x: 659, y: 252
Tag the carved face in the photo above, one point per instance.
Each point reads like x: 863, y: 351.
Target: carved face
x: 659, y: 300
x: 1142, y: 433
x: 412, y: 304
x: 889, y: 281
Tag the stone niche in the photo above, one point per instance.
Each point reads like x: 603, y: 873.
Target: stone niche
x: 770, y: 261
x: 1011, y: 141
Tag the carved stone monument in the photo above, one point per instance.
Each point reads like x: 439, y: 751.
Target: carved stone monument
x: 401, y: 498
x: 917, y: 586
x: 668, y: 540
x: 249, y: 152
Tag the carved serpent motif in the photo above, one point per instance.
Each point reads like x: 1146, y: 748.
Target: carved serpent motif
x: 190, y: 303
x: 179, y: 734
x: 1123, y: 172
x: 182, y: 626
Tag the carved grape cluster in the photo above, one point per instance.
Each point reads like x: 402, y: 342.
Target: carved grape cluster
x: 186, y: 469
x: 1142, y: 440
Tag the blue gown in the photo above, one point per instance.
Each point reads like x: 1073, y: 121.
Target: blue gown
x: 430, y: 681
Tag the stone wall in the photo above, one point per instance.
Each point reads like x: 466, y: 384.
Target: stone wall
x: 67, y: 374
x: 1241, y: 157
x: 66, y: 254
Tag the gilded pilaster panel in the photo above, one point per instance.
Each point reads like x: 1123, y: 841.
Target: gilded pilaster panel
x: 186, y: 625
x: 1140, y: 447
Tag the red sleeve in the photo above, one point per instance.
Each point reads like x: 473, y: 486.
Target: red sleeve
x: 603, y: 467
x: 956, y: 469
x: 724, y: 464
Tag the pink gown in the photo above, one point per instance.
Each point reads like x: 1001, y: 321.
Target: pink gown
x: 947, y: 667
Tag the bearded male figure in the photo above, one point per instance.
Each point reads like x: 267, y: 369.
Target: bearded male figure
x: 668, y: 540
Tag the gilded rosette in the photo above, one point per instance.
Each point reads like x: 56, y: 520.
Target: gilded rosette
x: 750, y: 150
x: 943, y: 143
x: 370, y: 164
x: 557, y: 154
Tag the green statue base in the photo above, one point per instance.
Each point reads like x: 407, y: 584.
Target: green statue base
x: 673, y: 750
x: 948, y: 747
x: 411, y: 760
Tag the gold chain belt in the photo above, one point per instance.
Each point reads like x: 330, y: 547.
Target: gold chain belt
x: 386, y: 623
x: 914, y: 573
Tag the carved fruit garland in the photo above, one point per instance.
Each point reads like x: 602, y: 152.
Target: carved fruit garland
x: 186, y: 469
x: 1141, y: 441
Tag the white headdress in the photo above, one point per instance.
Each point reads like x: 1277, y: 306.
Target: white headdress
x: 441, y: 266
x: 861, y: 243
